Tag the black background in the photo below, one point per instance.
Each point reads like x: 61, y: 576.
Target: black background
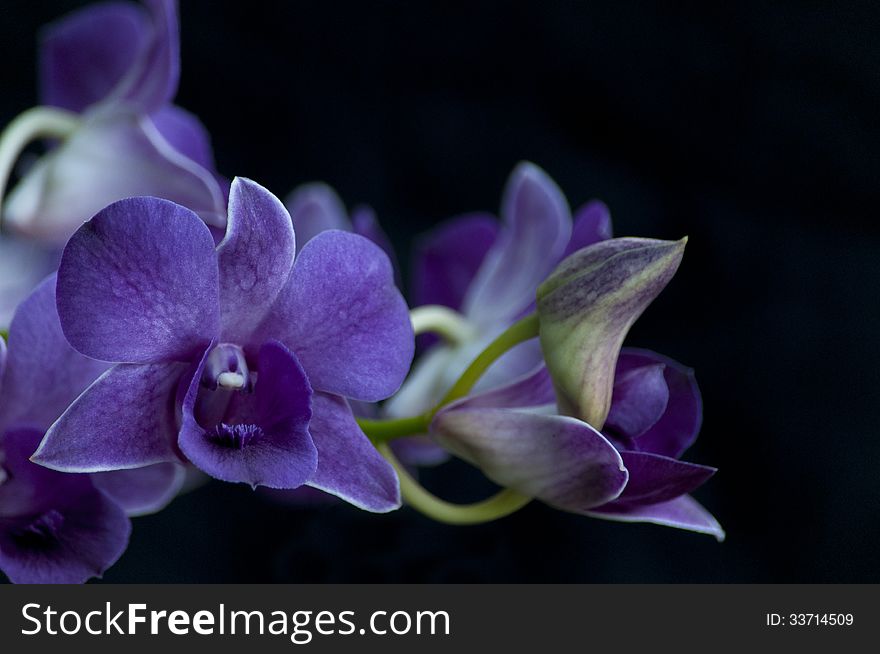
x: 752, y: 128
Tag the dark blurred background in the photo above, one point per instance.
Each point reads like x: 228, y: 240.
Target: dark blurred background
x: 750, y: 127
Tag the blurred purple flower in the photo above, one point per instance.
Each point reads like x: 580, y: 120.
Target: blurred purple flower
x: 260, y: 355
x: 57, y: 527
x: 490, y: 272
x: 108, y: 72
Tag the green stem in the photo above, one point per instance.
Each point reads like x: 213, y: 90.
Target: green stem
x: 414, y: 494
x: 522, y: 330
x: 443, y: 321
x: 380, y: 431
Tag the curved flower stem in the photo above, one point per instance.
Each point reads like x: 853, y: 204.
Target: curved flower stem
x: 381, y: 431
x: 35, y: 123
x: 4, y: 334
x: 502, y: 504
x: 522, y: 330
x: 443, y: 321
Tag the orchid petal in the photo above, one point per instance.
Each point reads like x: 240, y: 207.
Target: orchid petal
x: 43, y: 373
x: 264, y: 439
x: 447, y: 259
x: 151, y: 81
x: 537, y: 227
x: 592, y: 223
x: 255, y: 258
x: 344, y: 318
x: 678, y: 427
x: 185, y: 133
x: 683, y: 513
x: 138, y: 283
x: 638, y: 401
x: 141, y: 491
x: 586, y: 308
x: 560, y: 460
x: 126, y: 419
x: 654, y: 478
x: 83, y: 56
x: 349, y: 466
x: 315, y: 208
x: 56, y: 528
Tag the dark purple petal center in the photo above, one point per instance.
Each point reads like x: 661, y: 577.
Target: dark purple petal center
x: 42, y: 533
x: 234, y: 437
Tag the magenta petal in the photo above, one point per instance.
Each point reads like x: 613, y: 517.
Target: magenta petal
x: 83, y: 56
x: 344, y: 317
x: 263, y: 440
x: 679, y: 426
x: 43, y: 373
x: 560, y: 460
x: 54, y: 527
x: 140, y: 491
x: 638, y: 401
x: 537, y: 227
x: 592, y: 223
x: 151, y: 81
x: 448, y: 257
x: 683, y: 513
x: 654, y: 478
x: 138, y: 283
x: 255, y: 259
x: 185, y: 133
x: 126, y: 419
x: 315, y: 208
x: 349, y: 466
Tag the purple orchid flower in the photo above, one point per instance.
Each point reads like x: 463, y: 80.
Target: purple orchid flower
x: 107, y: 76
x: 57, y: 527
x: 490, y: 273
x: 629, y: 472
x: 647, y: 407
x: 236, y: 357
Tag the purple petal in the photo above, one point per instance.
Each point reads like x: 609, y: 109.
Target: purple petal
x: 531, y: 390
x: 43, y: 373
x: 683, y: 513
x: 138, y: 283
x: 448, y: 257
x: 344, y: 317
x: 126, y: 419
x: 141, y: 491
x: 56, y: 528
x: 537, y: 227
x: 83, y: 56
x: 592, y: 223
x: 315, y: 208
x: 23, y: 265
x: 255, y: 258
x: 654, y: 478
x: 151, y: 81
x: 639, y: 400
x: 185, y: 133
x: 264, y: 439
x: 111, y: 156
x: 679, y: 426
x: 586, y: 308
x: 560, y: 460
x: 349, y: 466
x: 365, y: 223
